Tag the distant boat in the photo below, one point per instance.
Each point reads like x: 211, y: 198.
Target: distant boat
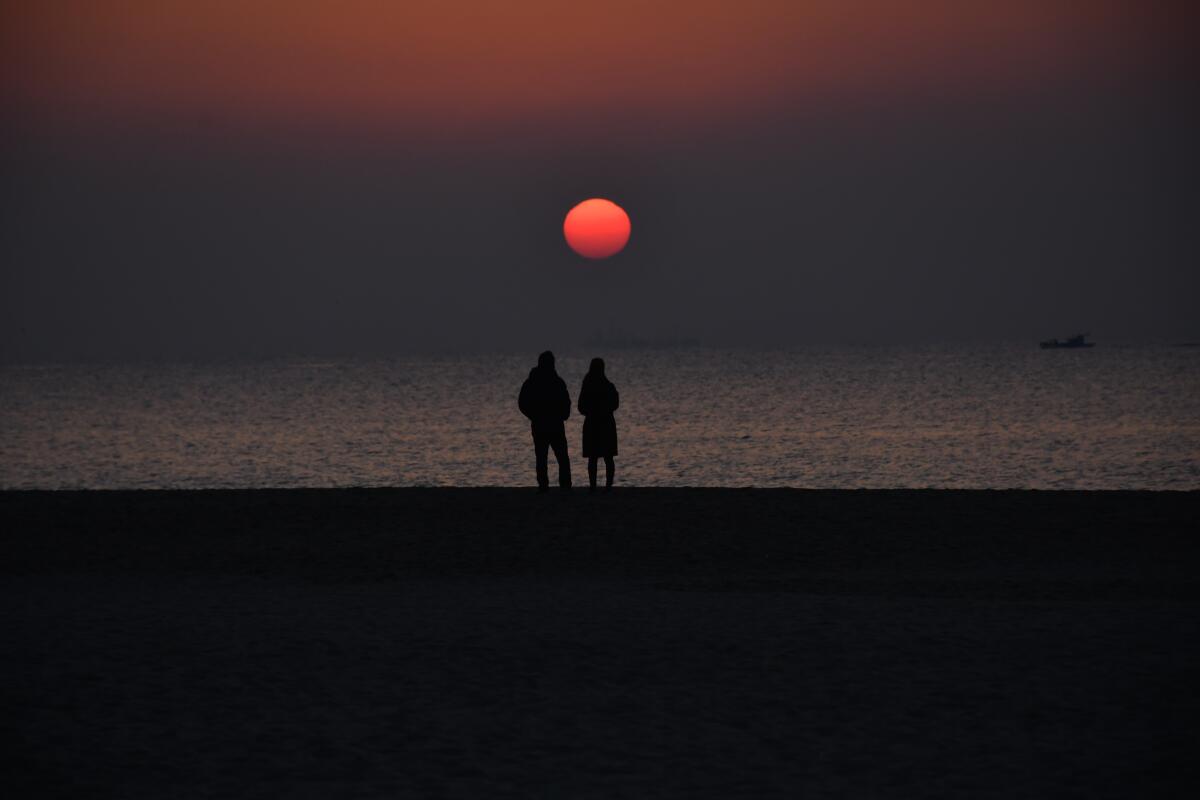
x: 1070, y: 342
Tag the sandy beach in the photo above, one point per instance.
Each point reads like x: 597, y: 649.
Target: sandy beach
x: 644, y: 643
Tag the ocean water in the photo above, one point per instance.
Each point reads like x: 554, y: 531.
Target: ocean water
x: 848, y: 417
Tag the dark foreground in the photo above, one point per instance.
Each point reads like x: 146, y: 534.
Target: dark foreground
x: 493, y: 642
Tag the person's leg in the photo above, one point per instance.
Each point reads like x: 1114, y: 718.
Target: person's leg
x: 559, y: 443
x: 610, y: 469
x: 540, y: 445
x: 592, y: 471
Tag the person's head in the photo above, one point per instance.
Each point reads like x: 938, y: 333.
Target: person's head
x: 597, y: 367
x: 546, y: 361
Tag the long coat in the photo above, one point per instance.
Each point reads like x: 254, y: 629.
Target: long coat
x: 598, y: 399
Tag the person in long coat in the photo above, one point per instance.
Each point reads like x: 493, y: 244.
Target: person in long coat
x: 598, y: 399
x: 544, y: 400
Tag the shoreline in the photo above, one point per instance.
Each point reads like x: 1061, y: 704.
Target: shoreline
x: 668, y: 642
x: 449, y: 530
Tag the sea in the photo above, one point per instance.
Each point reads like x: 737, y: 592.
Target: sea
x: 963, y: 417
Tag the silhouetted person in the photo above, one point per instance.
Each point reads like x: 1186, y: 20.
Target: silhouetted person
x: 598, y: 399
x: 545, y: 401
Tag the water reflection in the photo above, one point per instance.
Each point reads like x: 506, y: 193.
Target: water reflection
x: 822, y: 417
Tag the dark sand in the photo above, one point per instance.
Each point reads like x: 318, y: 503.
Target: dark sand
x: 493, y: 642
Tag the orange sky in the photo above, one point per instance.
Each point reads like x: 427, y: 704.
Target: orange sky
x: 441, y: 63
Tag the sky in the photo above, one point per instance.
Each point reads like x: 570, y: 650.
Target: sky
x: 229, y: 179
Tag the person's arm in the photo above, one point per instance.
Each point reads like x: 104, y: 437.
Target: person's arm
x: 523, y: 400
x: 616, y: 398
x: 565, y: 400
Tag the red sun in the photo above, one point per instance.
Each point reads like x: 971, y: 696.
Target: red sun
x: 596, y: 228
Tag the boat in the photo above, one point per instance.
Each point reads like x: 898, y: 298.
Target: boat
x: 1078, y: 340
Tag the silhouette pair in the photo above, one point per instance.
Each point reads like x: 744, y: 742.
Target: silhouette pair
x: 545, y: 401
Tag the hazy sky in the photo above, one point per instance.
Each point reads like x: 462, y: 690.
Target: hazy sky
x: 250, y: 178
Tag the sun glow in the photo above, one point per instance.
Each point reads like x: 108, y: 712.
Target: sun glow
x: 596, y: 228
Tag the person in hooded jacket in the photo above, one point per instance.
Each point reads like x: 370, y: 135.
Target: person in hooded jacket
x: 598, y: 399
x: 545, y: 401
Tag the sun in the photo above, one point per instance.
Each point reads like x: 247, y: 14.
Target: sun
x: 596, y: 228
